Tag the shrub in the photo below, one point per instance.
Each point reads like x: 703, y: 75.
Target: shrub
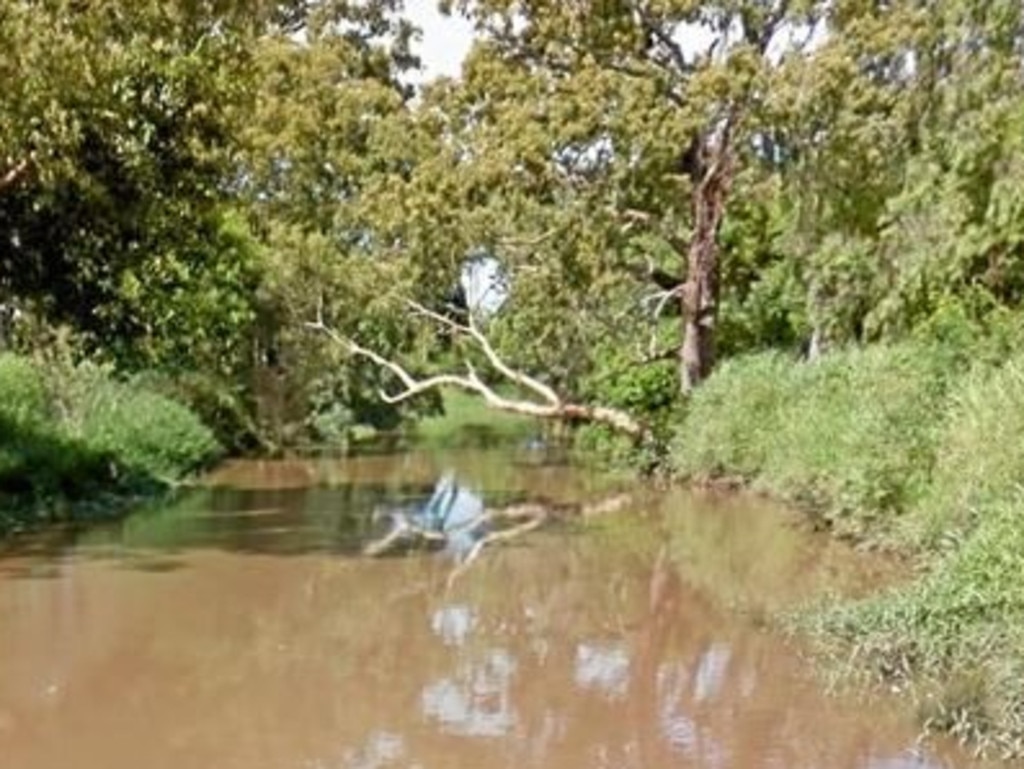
x: 71, y: 433
x: 24, y: 400
x: 148, y: 434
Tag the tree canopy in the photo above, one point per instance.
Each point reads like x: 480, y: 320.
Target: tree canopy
x: 657, y: 184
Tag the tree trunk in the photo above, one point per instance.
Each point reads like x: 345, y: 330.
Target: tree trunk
x: 700, y: 293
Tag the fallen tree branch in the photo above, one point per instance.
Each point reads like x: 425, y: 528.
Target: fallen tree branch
x: 546, y: 405
x: 532, y: 516
x: 492, y: 538
x: 403, y: 531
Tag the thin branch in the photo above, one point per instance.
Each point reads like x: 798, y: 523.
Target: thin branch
x: 495, y: 360
x: 492, y: 538
x: 401, y: 531
x: 676, y: 61
x: 15, y: 173
x: 533, y: 516
x: 662, y: 298
x: 413, y: 386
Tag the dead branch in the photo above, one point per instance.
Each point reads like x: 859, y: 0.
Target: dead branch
x: 403, y: 530
x: 15, y: 173
x: 607, y: 506
x: 492, y: 527
x: 546, y: 404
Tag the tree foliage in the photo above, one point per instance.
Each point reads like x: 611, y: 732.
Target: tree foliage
x: 657, y: 183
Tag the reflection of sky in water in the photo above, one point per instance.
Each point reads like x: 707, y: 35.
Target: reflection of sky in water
x: 675, y: 726
x: 453, y: 624
x: 452, y: 509
x: 476, y: 701
x: 711, y: 672
x: 683, y: 735
x: 910, y: 761
x: 382, y: 749
x: 603, y: 667
x: 686, y: 738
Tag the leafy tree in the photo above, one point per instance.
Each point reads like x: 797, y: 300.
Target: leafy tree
x: 119, y: 132
x: 611, y: 110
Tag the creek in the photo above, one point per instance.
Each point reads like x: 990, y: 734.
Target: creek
x: 241, y: 627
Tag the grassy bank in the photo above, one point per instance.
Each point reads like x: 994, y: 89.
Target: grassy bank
x: 468, y: 420
x: 907, y: 447
x: 74, y: 442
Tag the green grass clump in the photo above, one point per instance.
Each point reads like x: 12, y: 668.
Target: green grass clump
x: 980, y: 456
x: 955, y: 637
x: 24, y: 400
x: 851, y: 436
x: 149, y: 434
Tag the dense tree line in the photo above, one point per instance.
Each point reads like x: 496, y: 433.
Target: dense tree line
x: 660, y: 184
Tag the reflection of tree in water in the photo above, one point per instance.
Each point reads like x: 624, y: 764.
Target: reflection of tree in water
x: 667, y: 679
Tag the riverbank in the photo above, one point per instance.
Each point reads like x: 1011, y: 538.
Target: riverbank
x: 77, y: 444
x: 915, y: 449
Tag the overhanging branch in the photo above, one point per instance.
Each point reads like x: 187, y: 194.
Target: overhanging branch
x: 546, y: 403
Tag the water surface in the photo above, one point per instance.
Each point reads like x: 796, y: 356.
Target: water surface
x: 241, y: 628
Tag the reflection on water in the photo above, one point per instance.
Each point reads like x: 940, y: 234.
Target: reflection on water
x: 475, y: 700
x: 452, y: 510
x: 240, y: 628
x: 603, y: 668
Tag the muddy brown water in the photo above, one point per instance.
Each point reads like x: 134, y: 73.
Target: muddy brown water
x: 240, y: 628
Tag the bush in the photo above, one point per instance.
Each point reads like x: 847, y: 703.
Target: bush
x: 852, y: 436
x: 149, y: 434
x: 73, y: 432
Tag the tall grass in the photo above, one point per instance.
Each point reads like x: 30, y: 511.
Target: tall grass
x: 980, y: 455
x: 467, y: 419
x: 851, y: 437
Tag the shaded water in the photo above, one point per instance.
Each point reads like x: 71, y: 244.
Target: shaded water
x: 240, y: 628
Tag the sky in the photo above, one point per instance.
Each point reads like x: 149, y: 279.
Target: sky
x: 445, y: 41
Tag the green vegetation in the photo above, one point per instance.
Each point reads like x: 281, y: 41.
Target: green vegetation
x: 467, y: 419
x: 851, y: 437
x: 194, y: 197
x: 71, y: 438
x: 910, y: 449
